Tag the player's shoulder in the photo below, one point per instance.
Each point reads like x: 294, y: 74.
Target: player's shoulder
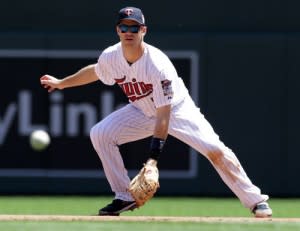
x: 111, y: 49
x: 158, y: 57
x: 155, y: 52
x: 110, y: 54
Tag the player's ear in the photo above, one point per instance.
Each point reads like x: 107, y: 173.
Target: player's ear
x: 144, y: 30
x: 118, y: 31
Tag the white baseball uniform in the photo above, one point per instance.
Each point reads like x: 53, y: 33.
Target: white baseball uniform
x: 149, y: 83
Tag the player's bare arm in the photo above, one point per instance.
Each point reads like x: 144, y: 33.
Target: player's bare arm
x: 162, y: 122
x: 84, y: 76
x: 160, y: 133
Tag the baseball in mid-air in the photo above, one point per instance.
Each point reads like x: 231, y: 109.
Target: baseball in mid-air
x: 39, y: 140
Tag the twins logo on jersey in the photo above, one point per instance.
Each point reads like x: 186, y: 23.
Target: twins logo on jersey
x: 134, y: 90
x: 167, y: 88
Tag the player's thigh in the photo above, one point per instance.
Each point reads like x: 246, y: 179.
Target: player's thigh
x: 190, y: 126
x: 124, y: 125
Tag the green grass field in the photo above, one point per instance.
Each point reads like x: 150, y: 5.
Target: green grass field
x: 159, y: 206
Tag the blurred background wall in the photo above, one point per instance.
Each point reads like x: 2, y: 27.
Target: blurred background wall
x: 242, y: 55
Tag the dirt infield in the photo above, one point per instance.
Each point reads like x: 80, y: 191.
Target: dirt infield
x: 143, y: 219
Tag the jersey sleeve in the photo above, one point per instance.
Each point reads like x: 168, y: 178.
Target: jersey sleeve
x: 163, y: 85
x: 103, y: 70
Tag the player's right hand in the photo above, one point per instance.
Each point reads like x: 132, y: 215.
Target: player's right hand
x: 50, y: 83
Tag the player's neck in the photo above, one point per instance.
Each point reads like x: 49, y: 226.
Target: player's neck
x: 133, y: 53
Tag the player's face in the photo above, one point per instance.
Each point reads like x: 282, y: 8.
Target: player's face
x: 130, y: 32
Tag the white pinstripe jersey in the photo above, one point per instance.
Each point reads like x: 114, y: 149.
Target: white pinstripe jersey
x: 149, y: 83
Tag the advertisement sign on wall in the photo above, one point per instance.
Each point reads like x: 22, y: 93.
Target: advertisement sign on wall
x: 68, y: 116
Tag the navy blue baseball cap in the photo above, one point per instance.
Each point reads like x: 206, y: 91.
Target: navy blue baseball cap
x: 131, y: 13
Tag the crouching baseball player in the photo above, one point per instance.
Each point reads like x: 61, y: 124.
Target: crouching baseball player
x: 159, y: 104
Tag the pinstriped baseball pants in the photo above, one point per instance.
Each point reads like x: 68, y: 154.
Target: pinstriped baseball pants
x: 186, y: 124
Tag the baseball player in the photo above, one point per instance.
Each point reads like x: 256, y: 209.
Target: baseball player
x: 159, y: 104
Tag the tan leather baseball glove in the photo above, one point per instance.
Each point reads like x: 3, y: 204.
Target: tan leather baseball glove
x: 145, y: 184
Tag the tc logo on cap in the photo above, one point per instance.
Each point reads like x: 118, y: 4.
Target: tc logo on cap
x: 131, y: 13
x: 128, y: 11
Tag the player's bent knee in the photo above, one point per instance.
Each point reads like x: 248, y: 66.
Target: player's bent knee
x: 92, y: 131
x: 215, y: 156
x: 99, y: 133
x: 93, y: 134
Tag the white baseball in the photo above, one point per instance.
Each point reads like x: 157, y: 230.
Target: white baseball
x: 39, y: 140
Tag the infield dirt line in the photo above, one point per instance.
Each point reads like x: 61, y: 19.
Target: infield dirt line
x: 143, y: 218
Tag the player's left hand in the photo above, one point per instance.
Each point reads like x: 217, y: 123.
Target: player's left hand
x: 145, y: 184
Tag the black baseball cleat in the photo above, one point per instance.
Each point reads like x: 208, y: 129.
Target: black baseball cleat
x: 116, y: 207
